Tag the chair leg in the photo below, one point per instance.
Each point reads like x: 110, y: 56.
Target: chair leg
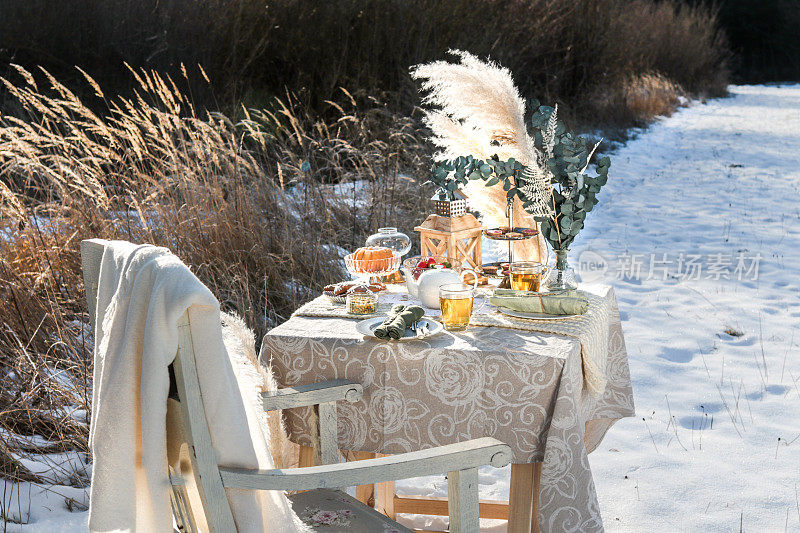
x: 462, y: 487
x: 176, y: 512
x: 181, y: 511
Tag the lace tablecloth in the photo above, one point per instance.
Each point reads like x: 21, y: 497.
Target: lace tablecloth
x: 525, y: 388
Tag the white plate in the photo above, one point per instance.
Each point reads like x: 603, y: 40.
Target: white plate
x: 367, y: 327
x: 534, y: 316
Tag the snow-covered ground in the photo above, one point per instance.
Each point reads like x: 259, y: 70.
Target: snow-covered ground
x: 712, y: 340
x: 715, y: 361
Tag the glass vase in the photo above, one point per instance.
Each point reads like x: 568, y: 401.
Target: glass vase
x: 562, y: 277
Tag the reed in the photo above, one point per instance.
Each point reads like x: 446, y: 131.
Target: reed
x: 261, y: 208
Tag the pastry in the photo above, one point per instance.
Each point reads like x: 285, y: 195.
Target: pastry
x: 528, y: 232
x: 490, y: 270
x: 514, y: 235
x: 359, y: 289
x: 494, y: 233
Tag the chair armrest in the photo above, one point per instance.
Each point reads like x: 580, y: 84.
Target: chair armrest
x: 452, y: 457
x: 312, y: 394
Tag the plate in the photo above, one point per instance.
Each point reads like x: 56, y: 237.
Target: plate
x: 366, y: 327
x: 504, y: 236
x: 534, y: 316
x: 342, y: 298
x: 500, y: 270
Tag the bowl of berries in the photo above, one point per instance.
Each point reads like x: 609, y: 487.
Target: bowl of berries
x: 418, y: 264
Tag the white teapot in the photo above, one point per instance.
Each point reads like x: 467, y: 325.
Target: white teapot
x: 426, y: 288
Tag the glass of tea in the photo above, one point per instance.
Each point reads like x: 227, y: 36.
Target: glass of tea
x: 456, y: 301
x: 526, y: 275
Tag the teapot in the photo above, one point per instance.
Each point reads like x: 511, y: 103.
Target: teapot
x: 426, y: 288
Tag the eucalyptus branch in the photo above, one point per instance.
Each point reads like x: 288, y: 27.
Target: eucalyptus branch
x: 449, y: 176
x: 574, y: 192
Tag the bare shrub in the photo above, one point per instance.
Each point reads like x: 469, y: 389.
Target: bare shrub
x: 559, y: 51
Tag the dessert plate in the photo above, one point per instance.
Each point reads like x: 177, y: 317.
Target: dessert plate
x: 367, y: 328
x: 534, y: 316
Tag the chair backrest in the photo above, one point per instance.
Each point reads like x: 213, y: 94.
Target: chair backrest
x: 214, y: 502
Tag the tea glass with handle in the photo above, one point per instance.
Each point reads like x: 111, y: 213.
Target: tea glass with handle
x: 457, y: 301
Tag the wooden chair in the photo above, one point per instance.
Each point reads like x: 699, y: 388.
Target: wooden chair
x: 210, y: 509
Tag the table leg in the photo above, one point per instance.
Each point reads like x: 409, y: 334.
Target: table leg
x: 537, y: 479
x: 364, y: 493
x: 306, y: 456
x: 384, y: 497
x: 520, y: 498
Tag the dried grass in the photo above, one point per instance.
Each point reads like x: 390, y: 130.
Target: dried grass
x: 231, y: 199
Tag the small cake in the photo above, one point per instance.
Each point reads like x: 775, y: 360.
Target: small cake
x: 504, y: 229
x: 373, y: 259
x: 490, y: 270
x: 528, y: 232
x: 494, y: 233
x: 514, y: 235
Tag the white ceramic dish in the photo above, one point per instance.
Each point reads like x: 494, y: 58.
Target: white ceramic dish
x: 534, y: 316
x: 367, y: 328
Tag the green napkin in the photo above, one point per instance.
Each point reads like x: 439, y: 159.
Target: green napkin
x: 558, y: 303
x: 399, y: 319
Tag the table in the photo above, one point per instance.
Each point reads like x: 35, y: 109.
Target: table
x: 523, y: 388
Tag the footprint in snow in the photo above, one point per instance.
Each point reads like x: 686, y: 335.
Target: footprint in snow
x: 677, y: 355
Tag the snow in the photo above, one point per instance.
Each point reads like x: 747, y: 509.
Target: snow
x: 720, y: 181
x: 715, y: 445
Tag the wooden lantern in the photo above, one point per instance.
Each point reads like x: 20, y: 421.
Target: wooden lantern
x: 458, y: 239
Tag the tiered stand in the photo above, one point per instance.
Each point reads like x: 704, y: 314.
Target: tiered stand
x: 510, y: 240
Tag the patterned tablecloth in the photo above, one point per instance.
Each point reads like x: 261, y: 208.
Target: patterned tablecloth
x: 522, y: 387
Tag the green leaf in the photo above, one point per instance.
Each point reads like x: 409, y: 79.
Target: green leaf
x: 486, y: 170
x: 494, y: 181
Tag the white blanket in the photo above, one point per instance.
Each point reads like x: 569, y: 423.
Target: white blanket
x: 142, y: 292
